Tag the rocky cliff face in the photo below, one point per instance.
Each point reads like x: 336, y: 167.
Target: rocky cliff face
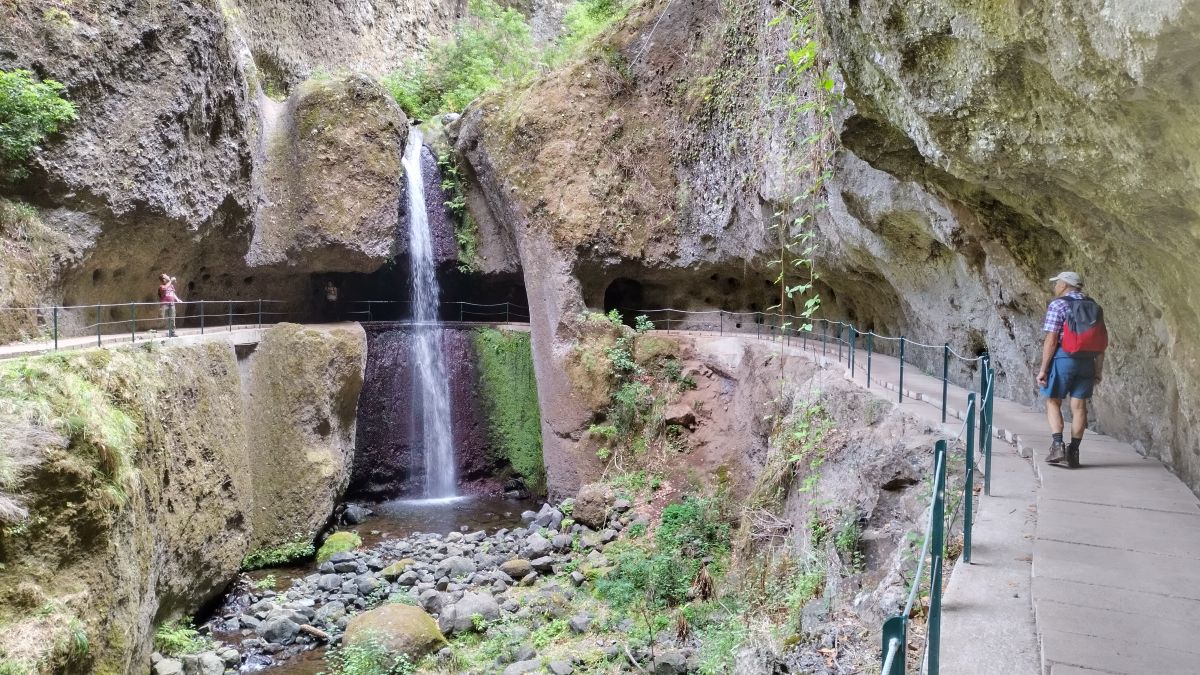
x: 216, y: 144
x: 177, y: 461
x: 981, y: 151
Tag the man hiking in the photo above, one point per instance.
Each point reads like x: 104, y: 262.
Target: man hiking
x: 1072, y: 362
x: 166, y: 302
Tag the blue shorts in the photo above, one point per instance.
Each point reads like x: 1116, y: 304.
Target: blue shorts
x: 1070, y: 376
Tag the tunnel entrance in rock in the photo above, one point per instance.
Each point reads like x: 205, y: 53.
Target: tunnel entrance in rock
x: 384, y: 295
x: 625, y: 295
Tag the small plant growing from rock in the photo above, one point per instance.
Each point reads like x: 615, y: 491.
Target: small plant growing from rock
x: 178, y: 638
x: 369, y: 657
x: 265, y: 583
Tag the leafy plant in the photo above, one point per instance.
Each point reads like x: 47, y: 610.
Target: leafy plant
x: 30, y: 111
x: 300, y: 547
x: 368, y: 657
x: 265, y: 583
x: 492, y: 46
x: 178, y: 638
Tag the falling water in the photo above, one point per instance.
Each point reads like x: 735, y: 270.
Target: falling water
x: 432, y: 391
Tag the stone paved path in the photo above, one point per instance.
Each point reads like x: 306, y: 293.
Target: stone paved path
x: 1091, y: 570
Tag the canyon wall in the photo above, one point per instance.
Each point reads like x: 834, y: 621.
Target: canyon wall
x: 137, y: 479
x: 976, y: 152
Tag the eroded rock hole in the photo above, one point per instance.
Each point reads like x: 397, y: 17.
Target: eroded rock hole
x: 626, y: 296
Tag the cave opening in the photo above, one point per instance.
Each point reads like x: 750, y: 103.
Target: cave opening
x: 384, y: 295
x: 625, y: 295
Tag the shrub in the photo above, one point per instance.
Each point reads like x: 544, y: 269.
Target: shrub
x: 491, y: 46
x: 298, y: 548
x: 506, y: 372
x: 584, y: 21
x: 368, y: 657
x: 31, y: 111
x: 177, y: 638
x: 265, y: 583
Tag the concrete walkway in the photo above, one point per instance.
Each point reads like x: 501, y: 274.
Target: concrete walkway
x: 1091, y: 570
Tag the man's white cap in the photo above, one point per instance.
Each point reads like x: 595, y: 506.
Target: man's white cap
x: 1069, y: 278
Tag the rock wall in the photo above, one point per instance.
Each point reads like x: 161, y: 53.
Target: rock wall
x: 180, y: 459
x: 982, y: 149
x: 188, y: 156
x: 388, y: 462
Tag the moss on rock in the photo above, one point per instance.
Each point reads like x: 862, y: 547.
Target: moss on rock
x: 337, y: 543
x: 405, y: 629
x: 510, y: 389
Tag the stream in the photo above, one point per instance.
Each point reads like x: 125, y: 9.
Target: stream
x: 389, y: 520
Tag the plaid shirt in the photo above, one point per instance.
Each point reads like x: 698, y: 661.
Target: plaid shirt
x: 1056, y: 313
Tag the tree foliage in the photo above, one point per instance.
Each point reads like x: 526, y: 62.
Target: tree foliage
x: 30, y: 110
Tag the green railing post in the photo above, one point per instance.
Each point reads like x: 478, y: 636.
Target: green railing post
x: 895, y: 642
x: 900, y: 387
x: 969, y: 490
x: 260, y: 313
x: 98, y: 326
x: 132, y: 322
x: 991, y: 432
x: 229, y: 308
x: 869, y: 346
x: 201, y: 317
x: 850, y: 349
x: 945, y: 378
x: 56, y: 328
x: 824, y: 336
x: 506, y: 305
x: 757, y: 328
x: 839, y: 341
x: 937, y: 551
x: 460, y: 311
x: 721, y: 320
x: 804, y: 329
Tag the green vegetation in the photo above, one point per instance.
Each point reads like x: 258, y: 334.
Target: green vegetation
x: 266, y: 583
x: 66, y: 393
x: 492, y: 47
x: 177, y: 638
x: 337, y: 543
x: 661, y: 573
x: 368, y: 657
x: 31, y: 111
x: 300, y: 547
x: 10, y: 667
x: 506, y: 372
x: 466, y: 230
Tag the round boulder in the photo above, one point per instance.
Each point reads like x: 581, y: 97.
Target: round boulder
x: 592, y: 505
x: 398, y: 628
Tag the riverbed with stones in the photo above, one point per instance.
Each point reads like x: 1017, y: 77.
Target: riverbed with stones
x: 420, y: 586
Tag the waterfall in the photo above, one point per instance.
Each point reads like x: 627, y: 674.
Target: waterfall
x: 432, y: 391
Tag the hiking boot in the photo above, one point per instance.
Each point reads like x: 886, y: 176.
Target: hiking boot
x: 1073, y: 457
x: 1057, y: 453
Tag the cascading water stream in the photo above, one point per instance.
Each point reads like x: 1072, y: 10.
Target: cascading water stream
x: 432, y: 391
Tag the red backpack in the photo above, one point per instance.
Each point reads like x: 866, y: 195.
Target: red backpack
x: 1084, y: 331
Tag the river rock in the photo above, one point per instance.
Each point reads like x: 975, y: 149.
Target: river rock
x: 592, y: 505
x: 516, y: 568
x: 355, y: 514
x: 536, y: 546
x: 456, y: 566
x: 168, y: 667
x: 278, y: 630
x: 400, y: 628
x: 329, y: 582
x: 580, y: 623
x: 330, y: 612
x: 561, y: 542
x: 670, y: 662
x: 459, y: 617
x: 393, y: 571
x: 522, y: 667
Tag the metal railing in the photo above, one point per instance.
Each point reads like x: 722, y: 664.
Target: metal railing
x: 448, y: 310
x: 977, y: 429
x: 57, y: 323
x: 847, y: 339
